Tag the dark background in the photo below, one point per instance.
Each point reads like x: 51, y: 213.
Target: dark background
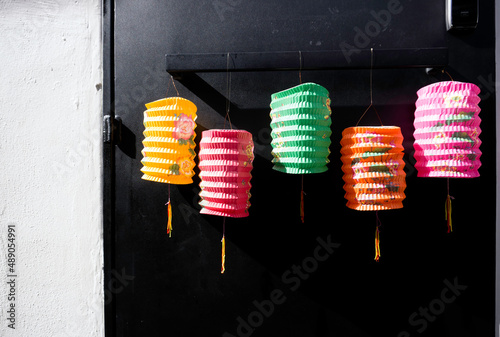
x: 174, y: 286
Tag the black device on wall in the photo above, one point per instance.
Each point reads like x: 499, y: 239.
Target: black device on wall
x: 462, y: 15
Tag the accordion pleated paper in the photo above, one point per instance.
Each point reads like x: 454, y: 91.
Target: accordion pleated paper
x: 447, y: 130
x: 168, y: 153
x: 226, y: 161
x: 300, y: 123
x: 372, y: 159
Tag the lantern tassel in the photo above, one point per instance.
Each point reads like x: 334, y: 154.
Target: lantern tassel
x: 447, y: 207
x: 377, y: 244
x: 447, y: 213
x: 377, y: 238
x: 223, y: 268
x: 169, y: 221
x: 223, y: 265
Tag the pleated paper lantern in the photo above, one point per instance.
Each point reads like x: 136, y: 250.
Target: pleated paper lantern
x: 226, y: 158
x: 300, y: 123
x: 373, y: 165
x: 226, y: 161
x: 168, y: 154
x: 447, y: 133
x: 447, y: 130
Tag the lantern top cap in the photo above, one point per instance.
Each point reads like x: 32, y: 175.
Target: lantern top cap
x: 448, y: 86
x: 368, y: 128
x: 240, y: 134
x: 381, y: 130
x: 301, y: 88
x: 182, y: 103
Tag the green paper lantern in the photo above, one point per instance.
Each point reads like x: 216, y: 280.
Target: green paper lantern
x: 300, y: 123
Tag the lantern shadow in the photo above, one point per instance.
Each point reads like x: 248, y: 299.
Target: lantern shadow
x: 126, y: 142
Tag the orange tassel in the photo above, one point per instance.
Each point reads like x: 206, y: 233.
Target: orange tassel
x: 377, y: 237
x: 223, y: 269
x: 169, y: 222
x: 447, y: 213
x: 377, y: 244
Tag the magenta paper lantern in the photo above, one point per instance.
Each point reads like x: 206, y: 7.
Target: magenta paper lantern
x: 447, y: 130
x: 226, y: 158
x: 447, y: 133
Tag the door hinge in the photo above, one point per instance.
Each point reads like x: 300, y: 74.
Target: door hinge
x: 112, y: 130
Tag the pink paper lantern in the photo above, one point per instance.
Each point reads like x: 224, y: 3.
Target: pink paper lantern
x: 447, y: 130
x: 226, y: 158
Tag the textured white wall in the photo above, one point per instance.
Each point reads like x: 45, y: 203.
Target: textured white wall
x: 50, y: 173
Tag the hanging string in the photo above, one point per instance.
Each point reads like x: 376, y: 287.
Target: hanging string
x: 168, y: 86
x: 228, y: 88
x: 169, y: 211
x: 169, y: 204
x: 300, y: 67
x: 302, y: 200
x: 377, y: 237
x: 223, y: 267
x: 447, y: 207
x: 371, y: 93
x: 371, y: 76
x: 447, y: 73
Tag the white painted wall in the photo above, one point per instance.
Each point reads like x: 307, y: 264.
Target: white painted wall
x: 50, y: 173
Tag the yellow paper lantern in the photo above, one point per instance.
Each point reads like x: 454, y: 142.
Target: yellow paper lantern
x: 168, y: 154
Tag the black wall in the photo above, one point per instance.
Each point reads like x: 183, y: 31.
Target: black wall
x: 173, y: 286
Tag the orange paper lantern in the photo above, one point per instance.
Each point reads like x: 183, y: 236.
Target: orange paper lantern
x: 373, y: 165
x: 372, y: 158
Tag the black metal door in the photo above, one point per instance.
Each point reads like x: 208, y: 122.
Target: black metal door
x: 283, y: 277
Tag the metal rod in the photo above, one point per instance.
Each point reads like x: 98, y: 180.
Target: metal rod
x: 177, y: 64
